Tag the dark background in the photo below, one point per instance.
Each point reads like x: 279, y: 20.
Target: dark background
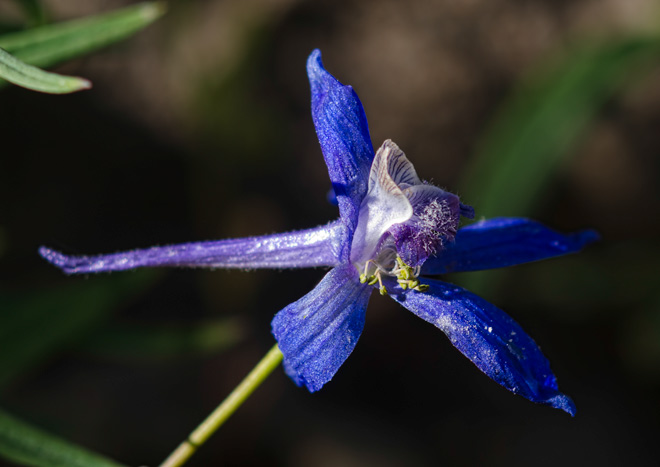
x: 199, y: 128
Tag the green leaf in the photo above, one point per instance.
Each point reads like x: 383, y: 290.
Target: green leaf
x: 535, y: 131
x: 27, y: 445
x: 34, y: 326
x: 31, y: 77
x: 47, y: 45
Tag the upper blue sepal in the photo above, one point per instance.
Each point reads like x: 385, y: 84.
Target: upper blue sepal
x: 343, y: 132
x: 491, y: 339
x: 504, y: 241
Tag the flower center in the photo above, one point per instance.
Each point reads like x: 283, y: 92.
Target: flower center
x: 401, y: 222
x: 389, y: 263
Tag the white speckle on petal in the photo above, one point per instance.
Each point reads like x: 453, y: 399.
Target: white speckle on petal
x: 445, y: 324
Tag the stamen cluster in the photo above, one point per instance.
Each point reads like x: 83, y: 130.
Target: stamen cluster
x: 406, y: 276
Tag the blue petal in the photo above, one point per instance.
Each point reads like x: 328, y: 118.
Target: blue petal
x: 500, y: 242
x: 490, y: 339
x: 341, y: 126
x: 300, y: 249
x: 317, y: 333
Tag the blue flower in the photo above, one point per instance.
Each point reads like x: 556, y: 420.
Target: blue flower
x: 393, y: 231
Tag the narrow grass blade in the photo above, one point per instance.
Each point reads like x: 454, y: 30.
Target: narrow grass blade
x: 31, y: 77
x: 535, y: 131
x: 27, y: 445
x: 51, y: 44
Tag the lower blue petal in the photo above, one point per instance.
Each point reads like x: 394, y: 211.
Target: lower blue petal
x: 317, y: 333
x: 490, y: 339
x: 503, y: 241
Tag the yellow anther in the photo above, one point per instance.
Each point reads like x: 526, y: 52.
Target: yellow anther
x: 407, y: 276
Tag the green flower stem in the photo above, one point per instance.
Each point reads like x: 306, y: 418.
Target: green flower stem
x: 214, y: 421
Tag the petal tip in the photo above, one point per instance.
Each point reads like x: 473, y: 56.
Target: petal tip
x: 55, y: 258
x: 562, y: 402
x: 315, y: 55
x: 585, y: 237
x: 315, y: 65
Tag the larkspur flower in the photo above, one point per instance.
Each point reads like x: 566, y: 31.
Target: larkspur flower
x: 393, y: 231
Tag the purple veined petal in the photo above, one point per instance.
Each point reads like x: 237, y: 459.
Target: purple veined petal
x: 317, y: 333
x: 392, y: 167
x: 504, y: 241
x: 300, y: 249
x: 341, y: 126
x: 434, y: 224
x: 490, y: 338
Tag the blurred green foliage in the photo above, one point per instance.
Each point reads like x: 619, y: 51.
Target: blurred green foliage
x: 535, y: 132
x: 38, y: 324
x: 50, y: 44
x: 166, y: 341
x: 27, y: 445
x: 34, y: 11
x: 537, y: 128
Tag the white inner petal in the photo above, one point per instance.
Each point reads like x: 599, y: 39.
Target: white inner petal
x: 385, y: 203
x: 394, y: 163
